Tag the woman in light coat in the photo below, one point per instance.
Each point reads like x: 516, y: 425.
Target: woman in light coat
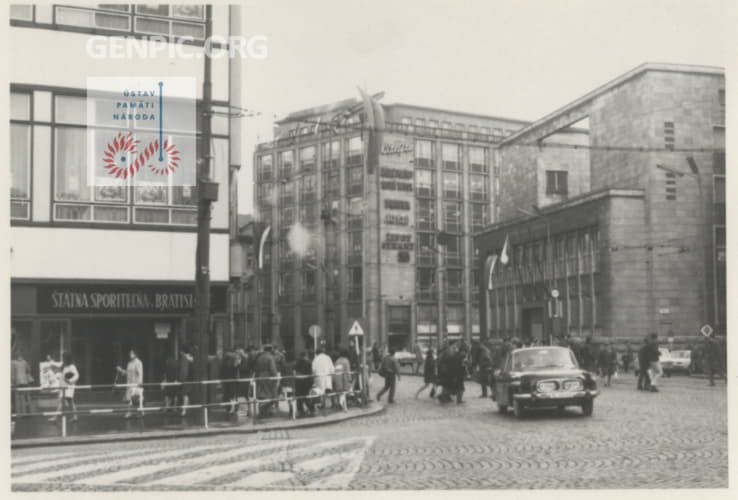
x: 342, y: 377
x: 134, y: 381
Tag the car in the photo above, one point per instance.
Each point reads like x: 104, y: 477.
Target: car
x: 543, y: 377
x: 405, y: 358
x: 677, y: 361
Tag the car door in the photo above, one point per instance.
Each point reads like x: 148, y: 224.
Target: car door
x: 502, y: 382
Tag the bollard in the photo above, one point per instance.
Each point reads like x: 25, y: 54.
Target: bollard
x: 64, y: 426
x: 205, y: 415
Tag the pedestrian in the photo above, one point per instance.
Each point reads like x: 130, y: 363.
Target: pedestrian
x: 376, y: 356
x: 353, y: 358
x: 712, y: 358
x: 69, y: 378
x: 21, y: 378
x: 229, y: 373
x: 342, y: 378
x: 134, y: 381
x: 627, y: 356
x: 171, y: 369
x: 606, y: 362
x: 265, y: 371
x: 418, y: 358
x: 644, y: 382
x: 390, y: 370
x: 484, y: 371
x: 185, y: 376
x: 303, y: 384
x: 589, y: 359
x: 430, y: 374
x: 654, y: 366
x: 457, y: 374
x: 323, y: 371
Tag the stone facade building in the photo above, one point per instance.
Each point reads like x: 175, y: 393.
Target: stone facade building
x: 638, y: 212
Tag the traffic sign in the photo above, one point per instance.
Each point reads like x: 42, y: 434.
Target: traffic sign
x: 555, y: 293
x: 314, y: 331
x: 706, y: 330
x: 356, y: 329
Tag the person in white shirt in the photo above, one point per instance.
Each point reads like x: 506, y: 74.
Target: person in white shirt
x: 134, y: 380
x: 323, y: 371
x: 69, y: 377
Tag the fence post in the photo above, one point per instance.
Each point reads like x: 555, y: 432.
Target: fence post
x: 64, y: 426
x: 205, y: 415
x: 254, y: 404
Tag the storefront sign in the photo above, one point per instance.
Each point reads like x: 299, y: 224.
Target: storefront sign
x: 395, y: 241
x: 397, y: 204
x: 123, y: 299
x: 396, y: 148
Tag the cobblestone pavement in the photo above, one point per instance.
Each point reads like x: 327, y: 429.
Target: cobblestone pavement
x: 674, y: 439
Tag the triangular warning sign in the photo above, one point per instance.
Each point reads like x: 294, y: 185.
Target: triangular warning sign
x: 356, y: 329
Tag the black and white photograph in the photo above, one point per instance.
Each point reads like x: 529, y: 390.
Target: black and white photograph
x: 313, y: 246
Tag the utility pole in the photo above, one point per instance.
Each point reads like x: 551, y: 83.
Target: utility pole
x: 207, y: 192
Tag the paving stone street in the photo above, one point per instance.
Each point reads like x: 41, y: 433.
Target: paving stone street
x: 674, y: 439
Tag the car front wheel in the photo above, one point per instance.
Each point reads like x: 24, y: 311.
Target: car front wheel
x: 587, y: 408
x: 517, y: 409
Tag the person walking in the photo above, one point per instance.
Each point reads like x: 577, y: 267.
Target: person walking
x: 390, y: 370
x: 644, y: 382
x: 430, y: 374
x: 69, y: 378
x: 627, y: 357
x: 606, y: 362
x: 654, y: 365
x: 418, y: 358
x: 134, y: 381
x: 457, y: 374
x: 711, y: 352
x: 484, y: 370
x: 229, y: 373
x: 170, y: 377
x: 265, y: 371
x: 376, y: 356
x: 186, y: 376
x: 342, y: 378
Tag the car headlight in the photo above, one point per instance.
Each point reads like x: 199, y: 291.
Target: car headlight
x: 546, y: 386
x: 573, y: 385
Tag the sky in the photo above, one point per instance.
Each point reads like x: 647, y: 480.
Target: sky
x: 519, y: 59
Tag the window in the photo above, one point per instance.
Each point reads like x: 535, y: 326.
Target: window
x: 265, y: 171
x: 433, y: 123
x: 478, y: 160
x: 285, y: 285
x: 309, y: 214
x: 285, y: 163
x: 354, y: 181
x: 557, y: 182
x: 425, y: 214
x: 450, y: 156
x: 419, y: 122
x: 353, y: 151
x: 718, y: 162
x: 266, y: 193
x: 478, y: 187
x: 425, y: 279
x: 287, y: 193
x: 399, y: 319
x: 329, y: 155
x: 451, y: 185
x: 354, y: 275
x: 479, y: 216
x: 308, y: 284
x: 355, y: 212
x: 407, y: 123
x: 452, y: 216
x: 308, y: 187
x: 354, y: 247
x: 21, y: 12
x: 427, y: 318
x: 425, y: 183
x: 286, y: 217
x: 20, y: 156
x: 331, y: 185
x: 472, y: 130
x: 669, y: 135
x: 307, y: 159
x: 424, y: 154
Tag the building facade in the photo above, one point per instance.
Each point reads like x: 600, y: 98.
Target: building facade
x: 366, y: 240
x: 97, y: 270
x: 657, y: 264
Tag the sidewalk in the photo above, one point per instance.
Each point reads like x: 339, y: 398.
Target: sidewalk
x: 39, y: 431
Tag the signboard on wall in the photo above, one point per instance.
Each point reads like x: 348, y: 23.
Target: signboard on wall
x: 123, y: 299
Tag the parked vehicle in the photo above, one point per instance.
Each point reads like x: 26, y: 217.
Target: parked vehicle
x: 678, y: 361
x: 543, y: 377
x: 405, y: 358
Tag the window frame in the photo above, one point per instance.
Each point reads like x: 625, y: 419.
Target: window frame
x: 555, y: 188
x: 28, y: 122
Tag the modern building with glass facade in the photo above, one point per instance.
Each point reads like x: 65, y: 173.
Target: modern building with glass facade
x: 98, y: 270
x: 369, y: 247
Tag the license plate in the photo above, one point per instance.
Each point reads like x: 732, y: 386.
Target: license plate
x: 562, y: 395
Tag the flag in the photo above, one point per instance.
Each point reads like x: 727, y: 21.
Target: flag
x: 504, y: 257
x: 489, y: 267
x: 375, y: 121
x: 317, y: 126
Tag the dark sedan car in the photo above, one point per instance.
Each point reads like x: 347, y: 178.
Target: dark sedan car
x: 543, y: 377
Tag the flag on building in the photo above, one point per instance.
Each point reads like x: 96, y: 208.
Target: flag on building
x: 489, y: 266
x: 375, y: 122
x: 504, y: 256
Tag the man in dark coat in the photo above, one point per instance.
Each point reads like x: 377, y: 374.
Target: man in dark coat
x: 627, y: 357
x: 303, y: 384
x: 485, y: 368
x: 266, y: 368
x: 644, y: 382
x: 711, y: 352
x: 457, y: 374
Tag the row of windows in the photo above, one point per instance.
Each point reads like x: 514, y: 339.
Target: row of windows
x: 451, y: 156
x: 166, y: 20
x: 308, y: 284
x: 461, y: 128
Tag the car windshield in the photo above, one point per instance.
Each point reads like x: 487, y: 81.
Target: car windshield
x: 541, y: 359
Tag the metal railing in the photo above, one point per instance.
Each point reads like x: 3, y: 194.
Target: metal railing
x: 247, y: 393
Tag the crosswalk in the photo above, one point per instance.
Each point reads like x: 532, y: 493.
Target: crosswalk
x: 270, y: 464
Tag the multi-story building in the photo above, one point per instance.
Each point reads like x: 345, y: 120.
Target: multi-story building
x: 366, y: 244
x: 629, y: 229
x: 97, y: 270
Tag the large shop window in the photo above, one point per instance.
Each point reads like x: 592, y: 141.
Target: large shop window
x: 166, y: 20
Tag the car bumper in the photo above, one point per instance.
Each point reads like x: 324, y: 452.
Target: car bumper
x: 556, y: 398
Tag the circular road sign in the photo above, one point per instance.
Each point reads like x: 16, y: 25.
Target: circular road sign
x: 555, y: 293
x: 314, y: 331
